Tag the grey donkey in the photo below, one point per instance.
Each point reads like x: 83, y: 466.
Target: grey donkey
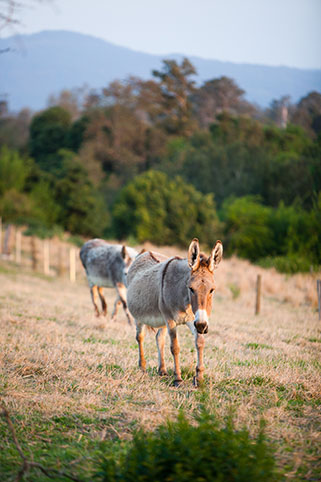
x: 166, y: 292
x: 106, y: 266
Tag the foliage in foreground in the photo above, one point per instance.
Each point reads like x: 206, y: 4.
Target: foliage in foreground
x: 181, y: 451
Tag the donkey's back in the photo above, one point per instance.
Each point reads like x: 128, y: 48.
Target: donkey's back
x: 143, y: 282
x: 103, y: 262
x: 156, y: 284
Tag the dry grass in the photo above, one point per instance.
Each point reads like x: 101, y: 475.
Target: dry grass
x: 58, y: 359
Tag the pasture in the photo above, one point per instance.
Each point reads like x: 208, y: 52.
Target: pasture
x: 71, y: 381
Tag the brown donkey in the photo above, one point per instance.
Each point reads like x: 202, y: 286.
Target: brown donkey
x: 165, y: 294
x: 106, y: 265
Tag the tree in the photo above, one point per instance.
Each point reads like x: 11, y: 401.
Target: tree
x: 48, y: 134
x: 280, y: 111
x: 14, y: 170
x: 162, y: 210
x: 14, y: 130
x: 82, y: 207
x: 11, y: 10
x: 176, y: 89
x: 69, y: 100
x: 216, y: 96
x: 308, y: 113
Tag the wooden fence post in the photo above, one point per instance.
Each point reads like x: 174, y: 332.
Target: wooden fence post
x: 72, y: 265
x: 61, y: 268
x: 319, y: 296
x: 34, y: 253
x: 18, y: 246
x: 7, y: 238
x: 46, y: 257
x: 258, y: 295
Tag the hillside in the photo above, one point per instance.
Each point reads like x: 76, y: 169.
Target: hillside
x: 44, y: 63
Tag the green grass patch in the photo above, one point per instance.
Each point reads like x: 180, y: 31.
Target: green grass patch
x: 110, y: 369
x: 258, y: 346
x: 315, y: 340
x: 93, y: 339
x: 235, y: 290
x: 67, y: 443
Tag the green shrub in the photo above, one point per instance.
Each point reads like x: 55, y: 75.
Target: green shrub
x: 247, y: 232
x: 287, y: 264
x: 163, y: 210
x: 36, y: 228
x: 179, y: 451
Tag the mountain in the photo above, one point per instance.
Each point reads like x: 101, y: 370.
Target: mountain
x: 34, y: 66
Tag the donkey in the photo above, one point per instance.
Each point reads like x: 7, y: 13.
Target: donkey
x: 106, y: 265
x: 165, y: 294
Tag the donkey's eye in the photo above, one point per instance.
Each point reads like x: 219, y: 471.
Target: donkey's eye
x: 191, y: 290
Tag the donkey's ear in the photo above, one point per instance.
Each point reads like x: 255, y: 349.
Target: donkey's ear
x: 215, y: 256
x: 123, y: 252
x: 194, y: 254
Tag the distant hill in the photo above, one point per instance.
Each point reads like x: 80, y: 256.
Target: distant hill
x: 41, y: 64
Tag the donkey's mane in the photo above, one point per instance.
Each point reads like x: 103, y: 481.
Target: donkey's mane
x: 166, y: 267
x: 203, y: 259
x: 154, y: 257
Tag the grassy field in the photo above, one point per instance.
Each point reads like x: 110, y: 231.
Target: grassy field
x: 71, y: 384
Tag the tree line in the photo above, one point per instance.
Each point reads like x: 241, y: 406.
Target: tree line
x: 166, y: 160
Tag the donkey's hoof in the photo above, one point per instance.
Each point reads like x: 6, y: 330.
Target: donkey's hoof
x: 197, y: 382
x: 177, y: 383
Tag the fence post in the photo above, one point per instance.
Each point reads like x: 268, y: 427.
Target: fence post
x: 46, y: 258
x: 6, y: 244
x: 18, y: 246
x: 61, y: 269
x: 34, y: 253
x: 72, y: 265
x: 319, y: 296
x: 258, y: 295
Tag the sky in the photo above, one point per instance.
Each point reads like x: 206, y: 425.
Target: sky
x: 269, y: 32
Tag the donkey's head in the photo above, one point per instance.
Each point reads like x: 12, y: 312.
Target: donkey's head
x: 201, y: 284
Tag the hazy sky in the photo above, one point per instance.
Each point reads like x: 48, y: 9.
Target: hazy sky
x: 272, y: 32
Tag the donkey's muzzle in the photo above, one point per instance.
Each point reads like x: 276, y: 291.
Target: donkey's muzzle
x: 201, y: 327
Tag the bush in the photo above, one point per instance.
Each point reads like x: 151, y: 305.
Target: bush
x: 14, y: 170
x: 287, y: 264
x: 162, y: 210
x: 246, y: 226
x: 36, y: 228
x: 179, y: 451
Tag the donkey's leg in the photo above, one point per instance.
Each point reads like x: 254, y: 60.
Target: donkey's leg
x: 122, y: 293
x: 171, y: 325
x: 160, y: 341
x: 199, y: 344
x: 102, y: 299
x: 140, y: 335
x: 116, y: 308
x: 94, y: 297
